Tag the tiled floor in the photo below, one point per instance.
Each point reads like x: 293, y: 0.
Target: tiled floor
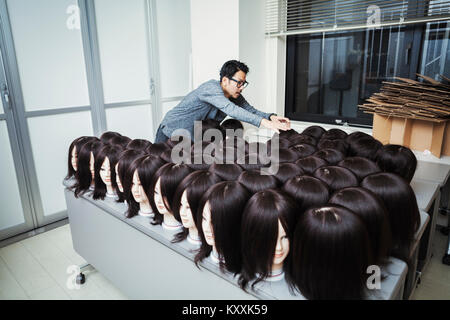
x: 36, y: 268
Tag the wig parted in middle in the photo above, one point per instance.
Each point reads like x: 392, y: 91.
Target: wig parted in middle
x: 112, y: 153
x: 259, y: 233
x: 170, y: 175
x: 146, y: 166
x: 227, y: 201
x: 195, y: 185
x: 254, y: 181
x: 331, y: 253
x: 336, y: 177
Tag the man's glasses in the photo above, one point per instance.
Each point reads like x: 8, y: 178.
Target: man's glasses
x: 240, y: 84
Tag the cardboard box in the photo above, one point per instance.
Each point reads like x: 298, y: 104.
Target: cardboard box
x: 413, y: 133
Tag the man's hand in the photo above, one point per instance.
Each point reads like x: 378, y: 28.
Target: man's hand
x: 274, y: 125
x: 281, y: 120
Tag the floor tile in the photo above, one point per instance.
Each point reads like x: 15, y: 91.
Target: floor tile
x: 10, y: 289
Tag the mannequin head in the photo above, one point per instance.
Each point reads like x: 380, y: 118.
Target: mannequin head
x: 307, y: 192
x: 121, y: 141
x: 332, y: 156
x: 370, y: 208
x: 104, y: 168
x: 324, y: 271
x: 282, y: 143
x: 200, y: 161
x: 254, y: 181
x: 286, y: 171
x: 137, y: 182
x: 122, y: 166
x: 337, y: 144
x: 83, y: 174
x: 288, y: 134
x: 361, y: 167
x: 285, y: 156
x: 186, y: 199
x: 162, y: 190
x: 138, y: 145
x: 157, y: 149
x: 303, y: 150
x: 303, y: 138
x: 108, y: 136
x: 397, y: 159
x: 254, y: 161
x: 336, y: 177
x: 314, y: 131
x: 401, y: 204
x: 72, y: 159
x: 355, y: 136
x: 267, y: 227
x: 235, y: 142
x: 311, y: 164
x: 334, y: 134
x: 227, y: 172
x: 366, y: 147
x: 219, y: 217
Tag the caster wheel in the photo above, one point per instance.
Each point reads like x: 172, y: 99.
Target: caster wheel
x: 81, y: 279
x: 446, y: 259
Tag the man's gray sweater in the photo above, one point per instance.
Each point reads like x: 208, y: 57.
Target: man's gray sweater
x: 209, y: 102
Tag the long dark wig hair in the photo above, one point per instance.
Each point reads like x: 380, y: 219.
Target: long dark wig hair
x: 336, y: 177
x: 331, y: 253
x: 361, y: 167
x: 227, y: 172
x: 138, y: 144
x: 195, y: 185
x: 77, y: 144
x: 126, y: 157
x: 314, y: 131
x: 227, y: 201
x: 83, y: 174
x: 259, y: 233
x: 332, y: 156
x: 303, y: 150
x: 401, y: 204
x: 108, y: 136
x: 370, y: 208
x: 170, y: 175
x: 311, y: 164
x: 307, y: 192
x: 146, y: 166
x: 112, y: 153
x: 254, y: 181
x: 397, y: 159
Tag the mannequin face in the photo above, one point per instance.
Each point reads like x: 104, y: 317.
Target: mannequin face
x: 137, y: 190
x: 74, y: 158
x: 159, y: 201
x: 282, y: 248
x: 206, y: 224
x: 119, y: 183
x: 91, y: 165
x: 186, y: 213
x: 105, y: 172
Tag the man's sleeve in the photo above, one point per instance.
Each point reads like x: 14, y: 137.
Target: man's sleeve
x: 244, y: 104
x: 218, y: 100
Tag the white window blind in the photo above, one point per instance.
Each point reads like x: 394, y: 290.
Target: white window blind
x: 286, y: 17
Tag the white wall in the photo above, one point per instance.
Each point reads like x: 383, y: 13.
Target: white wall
x: 215, y: 37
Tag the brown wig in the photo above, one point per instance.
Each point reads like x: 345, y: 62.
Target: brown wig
x: 361, y: 167
x: 331, y: 253
x: 121, y: 141
x: 401, y: 204
x: 195, y: 185
x: 146, y: 167
x: 138, y: 144
x: 303, y: 150
x: 370, y: 208
x: 259, y: 233
x: 126, y: 157
x: 332, y: 156
x: 366, y: 147
x: 336, y: 177
x: 254, y: 181
x: 76, y: 144
x: 112, y: 153
x: 307, y: 192
x: 108, y: 136
x: 397, y: 159
x: 156, y: 149
x: 83, y: 174
x: 303, y: 138
x: 314, y: 131
x: 227, y: 172
x: 286, y: 171
x: 227, y: 201
x: 337, y: 144
x: 311, y: 164
x: 334, y: 134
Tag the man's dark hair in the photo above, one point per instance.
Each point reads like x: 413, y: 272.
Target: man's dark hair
x: 229, y: 68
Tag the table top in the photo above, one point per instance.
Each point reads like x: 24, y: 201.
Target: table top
x: 429, y: 171
x: 426, y: 192
x: 394, y: 271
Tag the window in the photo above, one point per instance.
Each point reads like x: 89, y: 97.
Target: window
x: 330, y: 73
